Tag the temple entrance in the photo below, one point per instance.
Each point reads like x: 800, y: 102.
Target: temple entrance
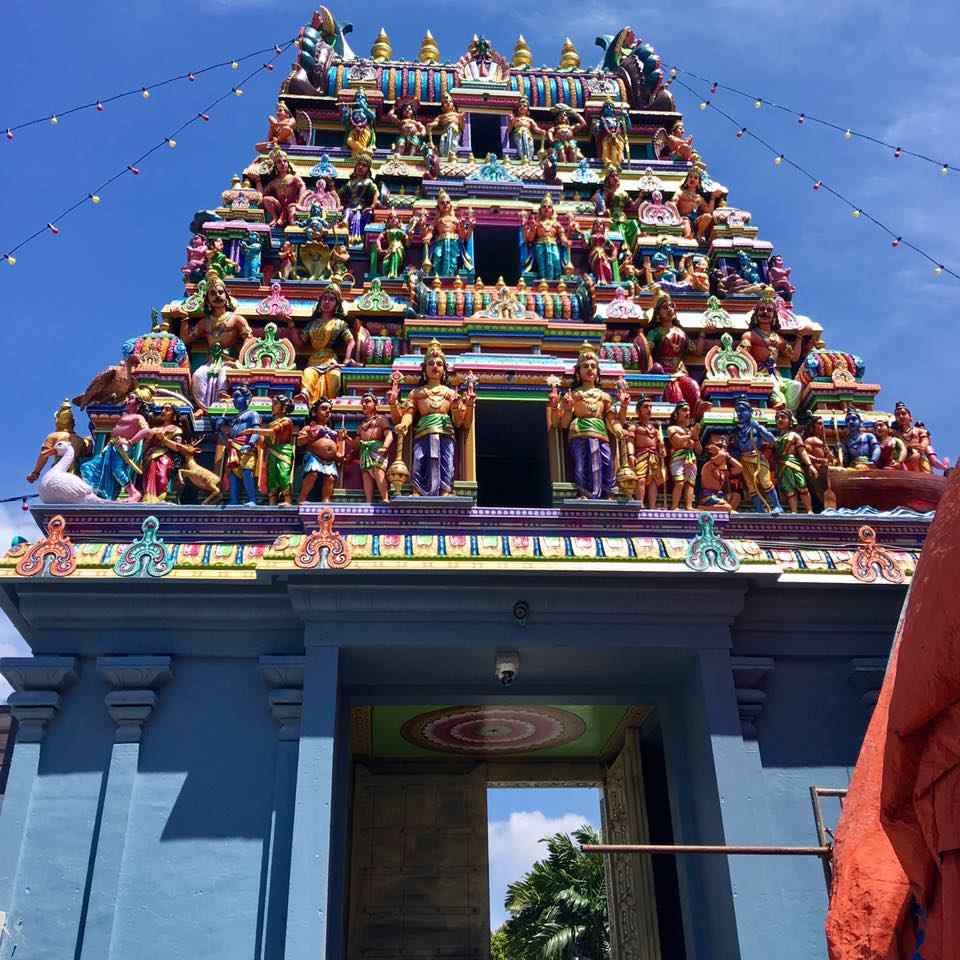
x: 419, y: 863
x: 512, y: 464
x: 496, y: 253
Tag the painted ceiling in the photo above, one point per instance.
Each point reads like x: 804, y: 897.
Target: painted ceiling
x: 491, y: 732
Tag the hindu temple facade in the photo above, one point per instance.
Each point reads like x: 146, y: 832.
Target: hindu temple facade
x: 484, y: 444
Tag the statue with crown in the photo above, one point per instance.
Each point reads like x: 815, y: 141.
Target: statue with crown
x: 434, y: 411
x: 591, y: 418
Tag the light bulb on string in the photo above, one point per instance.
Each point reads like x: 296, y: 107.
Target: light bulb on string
x: 9, y: 134
x: 234, y: 65
x: 673, y: 73
x: 802, y: 119
x: 53, y: 229
x: 713, y: 87
x: 944, y: 170
x: 817, y: 184
x: 94, y: 198
x: 895, y: 242
x: 847, y: 134
x: 897, y: 153
x: 741, y: 132
x: 191, y: 77
x: 856, y: 213
x: 134, y: 170
x: 171, y: 143
x: 704, y: 104
x: 269, y: 66
x: 938, y: 269
x: 24, y: 506
x: 99, y: 106
x: 778, y: 159
x: 758, y: 103
x: 203, y: 116
x: 277, y: 48
x: 54, y: 120
x: 145, y: 93
x: 237, y: 92
x: 11, y: 259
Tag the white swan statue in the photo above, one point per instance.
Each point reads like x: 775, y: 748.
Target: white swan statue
x: 59, y: 485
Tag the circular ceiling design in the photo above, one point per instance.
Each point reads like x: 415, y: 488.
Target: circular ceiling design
x: 493, y: 730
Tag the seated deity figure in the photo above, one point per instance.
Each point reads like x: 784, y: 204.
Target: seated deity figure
x: 446, y: 240
x: 859, y: 449
x: 610, y: 130
x: 412, y: 136
x: 283, y: 191
x: 434, y: 411
x: 449, y: 124
x: 358, y: 120
x: 222, y: 329
x: 588, y: 415
x: 322, y: 336
x: 359, y: 195
x: 544, y: 235
x: 921, y: 457
x: 695, y: 207
x: 65, y: 425
x: 520, y: 129
x: 281, y: 129
x: 562, y: 134
x: 678, y: 144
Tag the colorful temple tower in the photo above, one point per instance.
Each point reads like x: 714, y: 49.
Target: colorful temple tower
x: 485, y: 445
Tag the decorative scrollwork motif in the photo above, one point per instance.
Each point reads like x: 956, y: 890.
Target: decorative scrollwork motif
x: 55, y: 547
x: 707, y: 551
x: 872, y: 561
x: 147, y: 557
x: 324, y: 547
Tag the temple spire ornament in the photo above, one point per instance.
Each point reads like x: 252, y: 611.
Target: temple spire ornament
x: 569, y: 58
x: 381, y: 49
x: 429, y: 51
x: 522, y: 55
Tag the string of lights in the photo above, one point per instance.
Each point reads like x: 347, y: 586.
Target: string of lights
x: 856, y: 211
x: 803, y: 118
x: 144, y: 91
x: 133, y: 168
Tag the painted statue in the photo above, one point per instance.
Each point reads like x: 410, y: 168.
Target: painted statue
x: 921, y: 457
x: 358, y: 121
x: 611, y: 132
x: 668, y: 345
x: 716, y: 477
x: 588, y: 415
x: 859, y: 449
x: 359, y: 196
x: 614, y: 202
x: 324, y: 449
x: 287, y: 258
x: 252, y: 256
x: 447, y: 240
x: 240, y: 450
x: 283, y: 192
x: 695, y: 207
x: 217, y: 260
x: 747, y: 443
x: 679, y: 145
x: 434, y: 411
x: 778, y: 276
x: 279, y: 436
x: 196, y: 265
x: 562, y: 134
x: 160, y: 443
x: 521, y: 128
x: 548, y: 241
x: 647, y: 453
x: 893, y: 451
x: 65, y: 429
x: 747, y: 269
x: 326, y: 332
x: 601, y: 254
x: 392, y: 245
x: 115, y: 469
x: 281, y: 128
x: 820, y: 454
x: 449, y: 124
x: 764, y: 342
x: 412, y: 137
x: 374, y: 440
x: 222, y: 329
x: 60, y: 484
x: 684, y: 441
x: 793, y: 464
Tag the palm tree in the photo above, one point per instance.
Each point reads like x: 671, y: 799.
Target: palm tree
x: 558, y: 910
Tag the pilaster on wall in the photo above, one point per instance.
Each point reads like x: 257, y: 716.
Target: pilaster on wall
x: 38, y: 683
x: 750, y: 675
x: 131, y: 701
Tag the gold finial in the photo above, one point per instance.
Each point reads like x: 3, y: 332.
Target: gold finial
x: 569, y: 58
x: 522, y: 55
x: 587, y: 352
x: 429, y: 51
x: 381, y: 49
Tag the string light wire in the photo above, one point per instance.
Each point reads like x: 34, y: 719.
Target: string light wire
x: 133, y: 168
x: 55, y: 116
x: 803, y: 118
x: 818, y: 184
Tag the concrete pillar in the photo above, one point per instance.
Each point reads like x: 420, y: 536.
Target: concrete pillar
x: 309, y: 901
x: 37, y: 684
x: 284, y: 676
x: 130, y: 703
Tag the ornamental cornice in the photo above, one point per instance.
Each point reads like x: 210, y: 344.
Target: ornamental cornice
x: 39, y: 673
x: 130, y: 672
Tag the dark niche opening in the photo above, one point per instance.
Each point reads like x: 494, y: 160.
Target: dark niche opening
x: 496, y: 253
x: 512, y: 465
x: 485, y: 135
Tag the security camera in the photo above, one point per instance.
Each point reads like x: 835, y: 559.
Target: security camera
x: 507, y: 666
x: 521, y: 611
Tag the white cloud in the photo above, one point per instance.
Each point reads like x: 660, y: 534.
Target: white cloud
x: 13, y: 522
x: 514, y: 845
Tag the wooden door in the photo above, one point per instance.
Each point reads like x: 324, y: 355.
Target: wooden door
x: 634, y: 933
x: 419, y: 885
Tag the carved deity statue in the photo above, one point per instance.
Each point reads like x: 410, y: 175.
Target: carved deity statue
x: 547, y: 241
x: 521, y: 128
x: 447, y: 240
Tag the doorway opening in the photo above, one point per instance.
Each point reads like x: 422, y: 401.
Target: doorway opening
x: 485, y: 135
x: 496, y: 253
x: 522, y: 828
x: 512, y: 463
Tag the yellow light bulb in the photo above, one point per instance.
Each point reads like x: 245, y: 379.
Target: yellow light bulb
x: 171, y: 143
x: 847, y: 134
x: 146, y: 94
x: 937, y: 270
x: 856, y: 213
x: 778, y: 160
x: 54, y: 119
x: 11, y: 259
x: 234, y: 65
x: 237, y: 92
x: 94, y: 198
x: 758, y: 103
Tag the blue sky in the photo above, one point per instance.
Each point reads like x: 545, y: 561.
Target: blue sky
x: 70, y: 301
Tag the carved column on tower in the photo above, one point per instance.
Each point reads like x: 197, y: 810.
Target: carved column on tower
x: 131, y: 701
x: 284, y: 678
x: 38, y: 683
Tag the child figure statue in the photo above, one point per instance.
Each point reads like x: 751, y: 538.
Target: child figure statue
x: 647, y: 453
x: 793, y: 464
x: 715, y: 475
x: 684, y: 442
x: 281, y: 451
x: 375, y: 438
x: 325, y: 448
x: 241, y: 449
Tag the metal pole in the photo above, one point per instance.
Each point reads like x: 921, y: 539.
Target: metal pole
x: 722, y: 849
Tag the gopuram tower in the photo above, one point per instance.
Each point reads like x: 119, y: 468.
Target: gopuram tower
x: 485, y: 442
